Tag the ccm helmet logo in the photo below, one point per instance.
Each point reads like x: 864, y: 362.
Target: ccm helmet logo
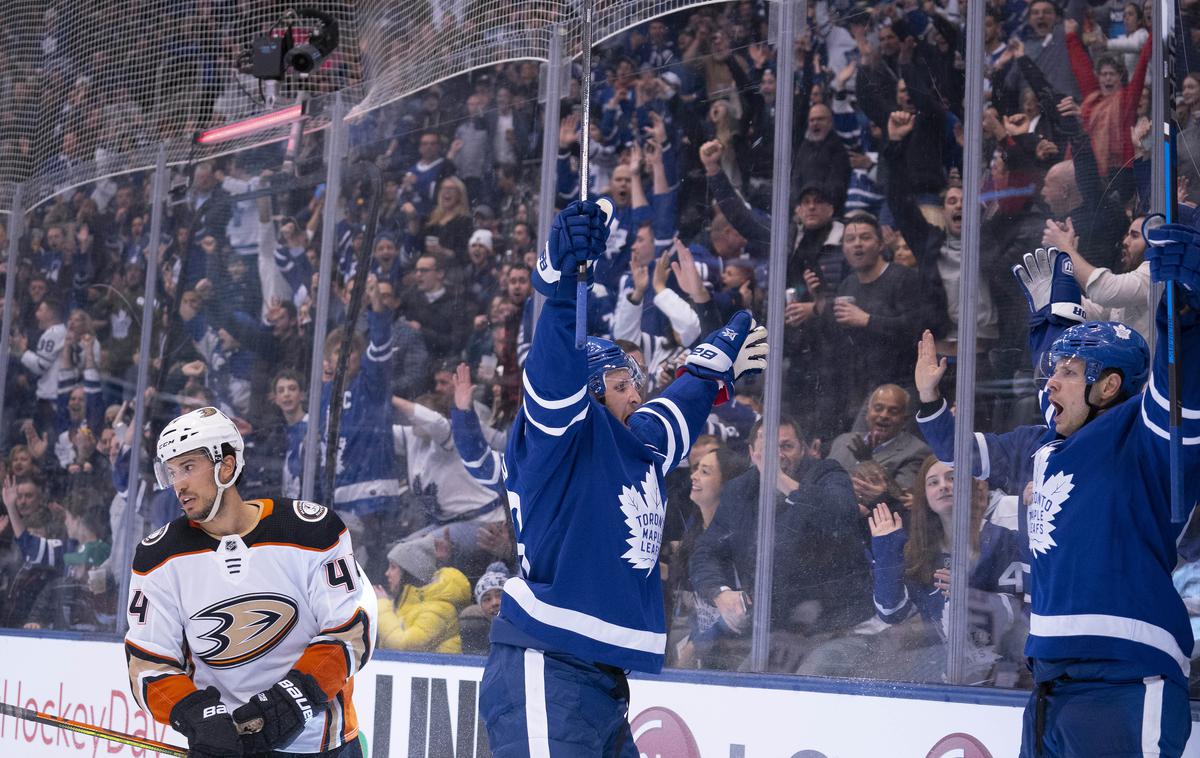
x: 297, y: 695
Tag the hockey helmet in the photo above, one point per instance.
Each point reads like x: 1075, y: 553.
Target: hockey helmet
x: 604, y: 356
x: 206, y: 429
x: 1102, y: 345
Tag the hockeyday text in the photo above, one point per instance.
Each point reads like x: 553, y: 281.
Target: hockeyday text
x: 120, y: 714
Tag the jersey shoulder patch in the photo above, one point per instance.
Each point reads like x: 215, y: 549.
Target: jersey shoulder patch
x: 176, y: 538
x: 300, y: 523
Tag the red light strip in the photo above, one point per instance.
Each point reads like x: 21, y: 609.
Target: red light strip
x: 251, y: 125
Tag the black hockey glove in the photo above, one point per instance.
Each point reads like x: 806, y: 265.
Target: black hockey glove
x: 274, y: 717
x: 207, y: 725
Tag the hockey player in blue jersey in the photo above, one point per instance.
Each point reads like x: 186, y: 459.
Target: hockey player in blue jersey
x: 586, y: 460
x: 1109, y: 641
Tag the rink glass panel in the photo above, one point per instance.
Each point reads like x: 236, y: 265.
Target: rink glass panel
x: 824, y: 619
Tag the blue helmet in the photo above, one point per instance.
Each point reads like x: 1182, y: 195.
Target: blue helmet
x: 604, y: 356
x: 1103, y: 345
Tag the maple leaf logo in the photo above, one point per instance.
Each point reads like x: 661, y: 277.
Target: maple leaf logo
x: 644, y: 515
x: 1122, y: 331
x: 1049, y: 494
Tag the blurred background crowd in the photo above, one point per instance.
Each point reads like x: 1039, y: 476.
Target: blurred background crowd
x: 682, y: 133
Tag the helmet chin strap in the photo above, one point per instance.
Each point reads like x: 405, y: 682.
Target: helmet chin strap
x: 216, y: 506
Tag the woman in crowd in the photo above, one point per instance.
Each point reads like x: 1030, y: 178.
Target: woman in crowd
x: 694, y: 621
x: 419, y: 608
x: 449, y: 226
x: 912, y: 578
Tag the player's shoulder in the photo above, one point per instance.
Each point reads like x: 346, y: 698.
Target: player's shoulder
x: 172, y: 540
x: 297, y: 523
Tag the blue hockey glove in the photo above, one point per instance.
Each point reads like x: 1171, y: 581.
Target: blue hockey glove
x: 207, y: 725
x: 579, y: 233
x: 1047, y: 279
x: 282, y: 711
x: 1173, y: 251
x: 735, y: 350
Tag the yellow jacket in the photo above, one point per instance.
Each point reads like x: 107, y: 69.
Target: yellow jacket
x: 425, y: 618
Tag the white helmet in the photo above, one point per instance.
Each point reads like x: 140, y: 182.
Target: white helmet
x: 204, y: 429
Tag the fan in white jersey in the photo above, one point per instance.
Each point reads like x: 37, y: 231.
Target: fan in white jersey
x: 247, y: 616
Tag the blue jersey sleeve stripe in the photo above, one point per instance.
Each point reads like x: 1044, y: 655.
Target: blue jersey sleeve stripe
x: 940, y: 411
x: 1165, y: 404
x: 669, y: 460
x: 985, y: 459
x: 885, y: 613
x: 553, y: 405
x: 555, y: 431
x: 582, y: 623
x: 380, y: 353
x: 681, y: 423
x: 1158, y: 430
x: 480, y: 460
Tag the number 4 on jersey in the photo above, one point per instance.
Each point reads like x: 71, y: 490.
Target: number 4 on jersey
x: 338, y: 572
x: 139, y: 606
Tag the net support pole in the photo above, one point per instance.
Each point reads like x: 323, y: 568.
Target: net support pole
x: 552, y: 75
x: 964, y: 386
x: 334, y: 157
x: 788, y: 11
x: 15, y: 218
x: 123, y: 562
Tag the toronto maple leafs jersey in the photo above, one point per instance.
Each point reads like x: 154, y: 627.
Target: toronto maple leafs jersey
x: 1099, y: 528
x: 366, y: 479
x: 240, y: 612
x: 587, y: 499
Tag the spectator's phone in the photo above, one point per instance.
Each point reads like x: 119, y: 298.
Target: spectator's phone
x: 487, y: 368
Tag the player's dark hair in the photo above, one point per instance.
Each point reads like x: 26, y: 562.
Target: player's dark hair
x: 227, y: 451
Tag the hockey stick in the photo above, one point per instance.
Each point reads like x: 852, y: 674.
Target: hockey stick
x: 98, y: 732
x: 585, y: 114
x: 1166, y: 18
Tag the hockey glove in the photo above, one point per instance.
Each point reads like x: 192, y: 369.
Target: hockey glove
x: 735, y: 350
x: 282, y: 711
x: 579, y: 233
x: 207, y: 725
x: 1047, y: 279
x: 1173, y: 251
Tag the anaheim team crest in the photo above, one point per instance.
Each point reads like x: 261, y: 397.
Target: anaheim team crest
x: 645, y: 513
x: 245, y: 628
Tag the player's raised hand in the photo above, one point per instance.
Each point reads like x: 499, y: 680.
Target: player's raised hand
x: 930, y: 368
x: 1047, y: 279
x: 207, y: 725
x: 1173, y: 251
x: 579, y: 234
x: 735, y: 350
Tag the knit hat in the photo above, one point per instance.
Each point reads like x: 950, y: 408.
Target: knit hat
x: 481, y: 237
x: 416, y: 557
x: 493, y: 579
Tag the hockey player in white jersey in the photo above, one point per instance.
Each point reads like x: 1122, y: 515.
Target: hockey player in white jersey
x: 246, y: 611
x: 586, y: 460
x: 1109, y: 639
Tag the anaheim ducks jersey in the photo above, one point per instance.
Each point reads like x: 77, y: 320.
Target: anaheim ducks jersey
x: 239, y: 612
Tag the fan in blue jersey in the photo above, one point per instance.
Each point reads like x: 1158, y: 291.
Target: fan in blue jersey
x: 1109, y: 640
x: 585, y: 465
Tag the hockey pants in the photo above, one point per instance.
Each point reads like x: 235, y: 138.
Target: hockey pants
x: 551, y: 705
x: 1071, y: 717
